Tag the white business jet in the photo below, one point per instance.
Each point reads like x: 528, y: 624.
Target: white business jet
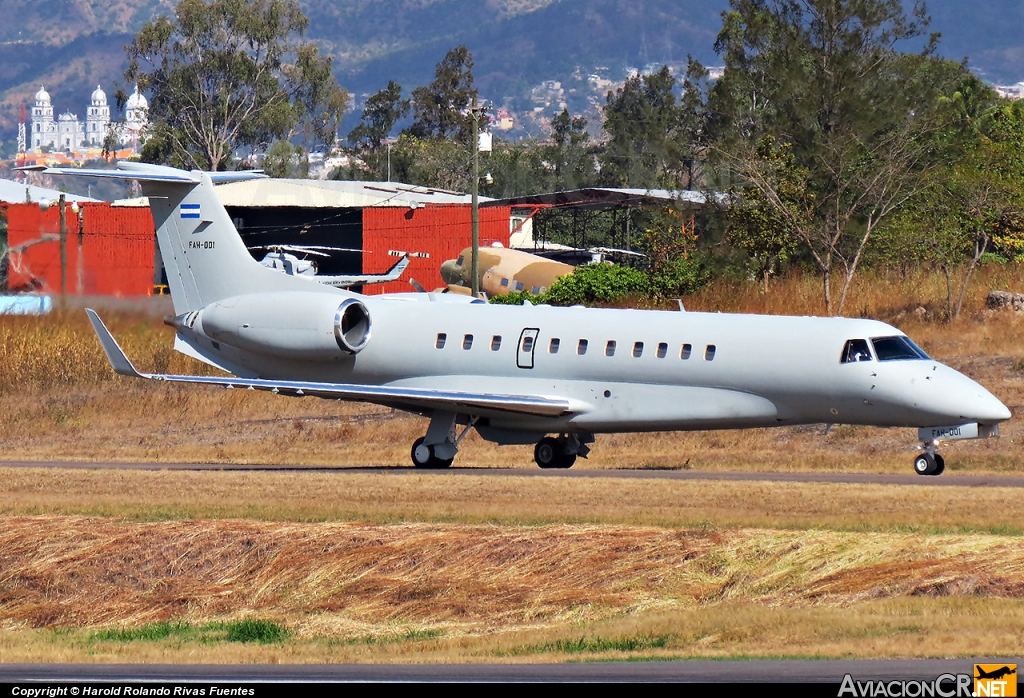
x: 553, y: 377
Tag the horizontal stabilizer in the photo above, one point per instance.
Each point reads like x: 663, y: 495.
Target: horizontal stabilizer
x: 156, y: 173
x: 415, y: 399
x: 345, y: 281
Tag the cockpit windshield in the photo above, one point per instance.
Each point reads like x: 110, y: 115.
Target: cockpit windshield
x: 897, y: 349
x: 855, y: 350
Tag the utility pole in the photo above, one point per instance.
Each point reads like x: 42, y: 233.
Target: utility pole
x: 63, y: 252
x: 476, y: 111
x: 80, y: 262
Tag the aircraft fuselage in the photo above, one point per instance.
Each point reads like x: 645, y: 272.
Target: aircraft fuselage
x: 623, y: 370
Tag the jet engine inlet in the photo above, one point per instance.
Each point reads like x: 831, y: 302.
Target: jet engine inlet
x: 352, y: 326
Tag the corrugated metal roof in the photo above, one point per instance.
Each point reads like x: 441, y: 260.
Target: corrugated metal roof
x: 608, y: 197
x: 12, y: 192
x: 313, y: 193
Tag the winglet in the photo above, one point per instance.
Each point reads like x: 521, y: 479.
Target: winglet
x: 118, y: 361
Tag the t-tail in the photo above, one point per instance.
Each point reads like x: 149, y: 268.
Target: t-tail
x: 202, y: 252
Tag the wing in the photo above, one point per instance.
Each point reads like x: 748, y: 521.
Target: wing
x: 413, y: 399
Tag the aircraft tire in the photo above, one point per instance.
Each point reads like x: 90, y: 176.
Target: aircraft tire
x: 547, y: 453
x: 940, y: 464
x: 926, y: 464
x: 550, y: 453
x: 427, y: 460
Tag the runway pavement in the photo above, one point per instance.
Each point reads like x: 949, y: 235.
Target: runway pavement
x: 694, y: 671
x: 946, y: 480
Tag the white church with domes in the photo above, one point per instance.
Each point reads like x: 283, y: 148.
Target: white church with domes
x: 67, y: 133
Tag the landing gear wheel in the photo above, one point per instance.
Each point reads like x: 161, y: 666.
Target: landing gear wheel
x: 940, y: 465
x: 545, y: 453
x: 423, y: 457
x: 927, y: 464
x: 550, y: 453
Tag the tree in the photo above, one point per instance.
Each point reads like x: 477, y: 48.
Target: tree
x: 645, y: 147
x: 974, y: 204
x: 440, y: 107
x: 226, y: 74
x: 766, y: 230
x: 517, y: 169
x: 825, y: 78
x: 285, y: 160
x: 382, y: 111
x: 570, y: 156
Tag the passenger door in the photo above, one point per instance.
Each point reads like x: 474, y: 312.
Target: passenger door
x: 527, y: 345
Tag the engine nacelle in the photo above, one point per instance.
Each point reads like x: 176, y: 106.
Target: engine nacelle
x: 308, y: 326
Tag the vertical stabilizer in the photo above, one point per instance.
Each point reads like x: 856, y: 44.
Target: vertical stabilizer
x: 202, y: 252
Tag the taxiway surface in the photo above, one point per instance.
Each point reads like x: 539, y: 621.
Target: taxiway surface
x: 946, y: 480
x: 691, y: 671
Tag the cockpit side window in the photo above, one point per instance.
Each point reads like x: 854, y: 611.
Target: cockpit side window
x: 897, y: 349
x: 855, y: 350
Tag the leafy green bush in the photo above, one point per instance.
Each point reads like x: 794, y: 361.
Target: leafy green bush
x: 597, y: 283
x: 517, y: 298
x: 680, y: 277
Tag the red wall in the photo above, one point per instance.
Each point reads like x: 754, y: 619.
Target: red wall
x: 440, y: 231
x: 117, y: 250
x: 118, y: 245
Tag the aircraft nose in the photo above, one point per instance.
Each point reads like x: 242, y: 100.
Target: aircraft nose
x: 964, y: 399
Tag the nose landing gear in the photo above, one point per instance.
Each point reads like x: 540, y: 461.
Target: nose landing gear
x: 929, y: 462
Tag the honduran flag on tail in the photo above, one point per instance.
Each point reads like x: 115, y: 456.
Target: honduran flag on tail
x: 190, y: 210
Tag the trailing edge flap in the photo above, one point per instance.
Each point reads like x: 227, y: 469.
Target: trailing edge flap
x: 406, y: 397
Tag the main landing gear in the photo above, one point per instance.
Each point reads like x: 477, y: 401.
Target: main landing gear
x: 424, y: 456
x: 929, y: 462
x: 437, y: 449
x: 559, y: 452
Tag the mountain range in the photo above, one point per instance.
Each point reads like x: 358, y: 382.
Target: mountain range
x: 70, y: 46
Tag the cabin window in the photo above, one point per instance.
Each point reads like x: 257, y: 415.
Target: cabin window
x: 496, y: 342
x: 854, y: 351
x: 441, y: 339
x: 553, y: 346
x: 467, y: 342
x: 581, y: 348
x: 684, y: 353
x: 609, y: 348
x: 638, y: 350
x: 709, y: 352
x: 527, y: 344
x: 662, y: 350
x: 897, y: 349
x: 504, y: 282
x: 460, y: 260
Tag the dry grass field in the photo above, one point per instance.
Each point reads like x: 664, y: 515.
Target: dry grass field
x: 372, y: 562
